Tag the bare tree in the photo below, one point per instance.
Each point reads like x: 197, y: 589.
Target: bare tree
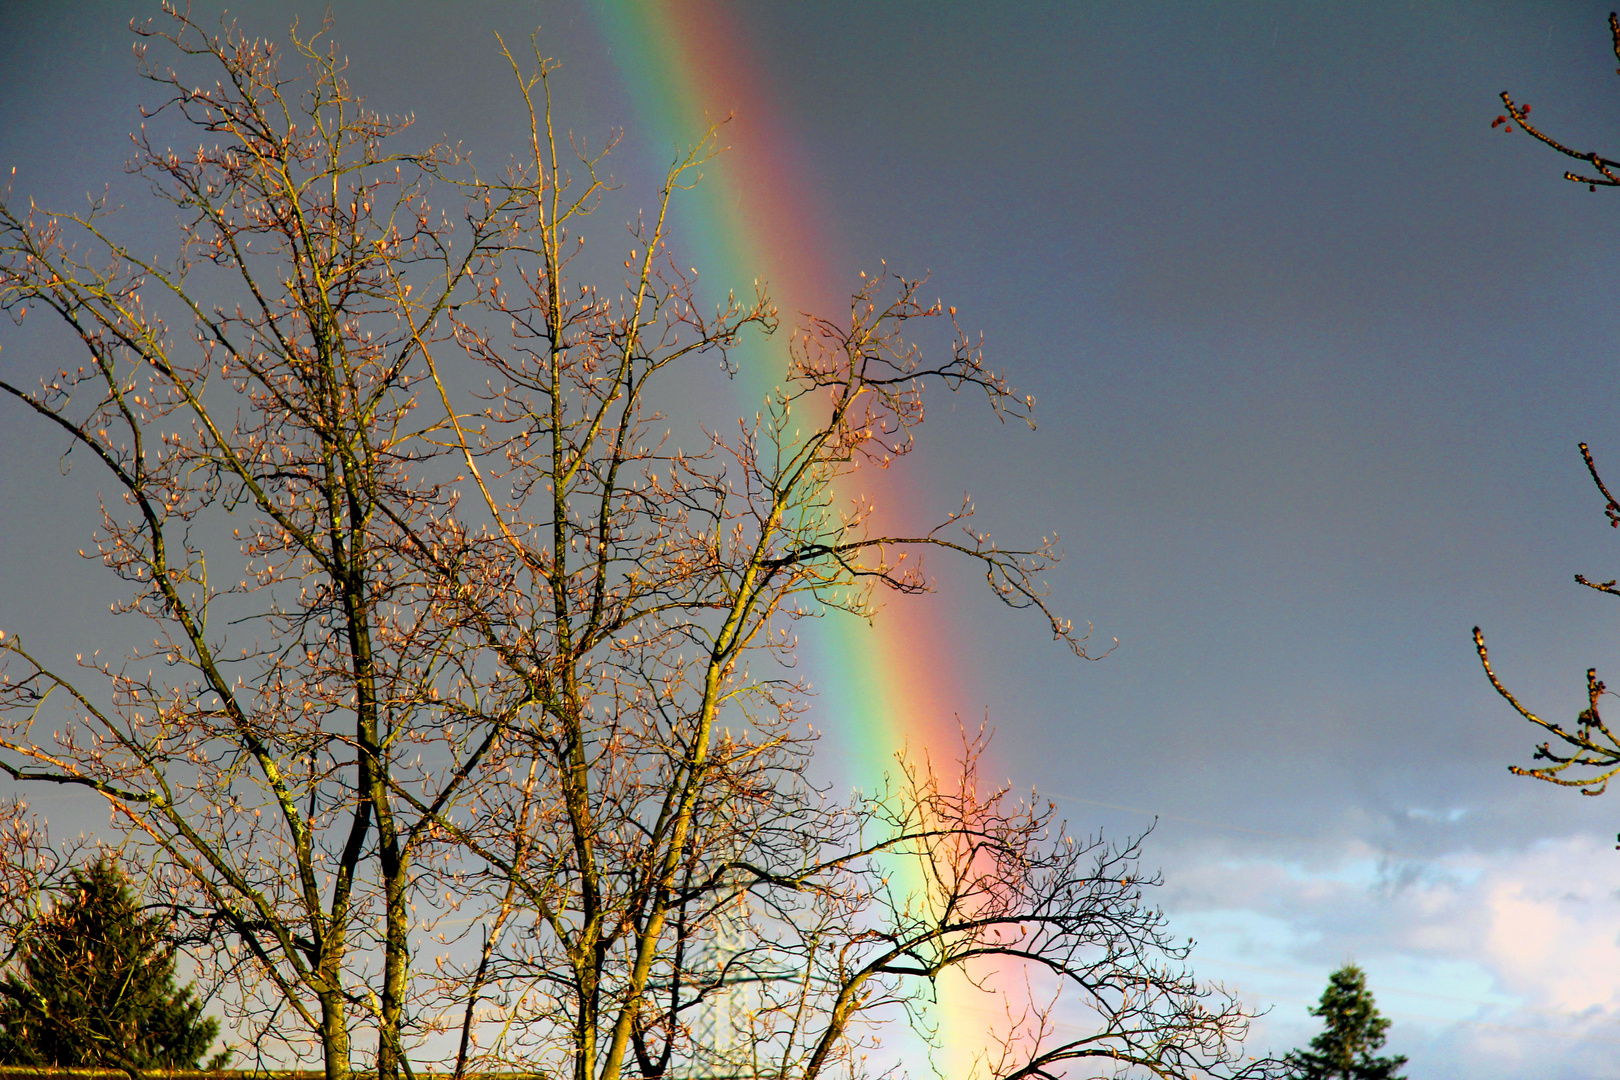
x: 255, y: 743
x: 1587, y: 754
x: 1005, y: 894
x: 508, y: 675
x: 31, y: 870
x: 1603, y: 169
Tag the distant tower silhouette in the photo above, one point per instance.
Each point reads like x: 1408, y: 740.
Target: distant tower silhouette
x: 720, y: 1028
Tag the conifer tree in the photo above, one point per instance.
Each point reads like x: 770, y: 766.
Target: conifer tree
x: 96, y: 987
x: 1352, y: 1032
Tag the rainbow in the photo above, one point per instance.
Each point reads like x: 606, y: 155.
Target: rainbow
x: 758, y: 214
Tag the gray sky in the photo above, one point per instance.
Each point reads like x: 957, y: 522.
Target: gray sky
x: 1313, y: 347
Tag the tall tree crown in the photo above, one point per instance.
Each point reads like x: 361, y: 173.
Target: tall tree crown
x: 495, y: 735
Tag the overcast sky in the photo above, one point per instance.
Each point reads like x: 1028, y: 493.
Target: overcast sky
x: 1313, y: 346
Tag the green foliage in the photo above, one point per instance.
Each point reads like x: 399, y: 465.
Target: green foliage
x: 96, y: 988
x: 1352, y: 1032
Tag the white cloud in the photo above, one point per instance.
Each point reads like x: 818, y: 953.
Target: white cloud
x: 1489, y: 964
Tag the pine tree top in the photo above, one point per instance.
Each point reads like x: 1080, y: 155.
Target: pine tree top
x: 96, y: 987
x: 1352, y: 1032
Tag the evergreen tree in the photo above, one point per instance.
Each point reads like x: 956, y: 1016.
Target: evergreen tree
x: 96, y: 988
x: 1352, y: 1031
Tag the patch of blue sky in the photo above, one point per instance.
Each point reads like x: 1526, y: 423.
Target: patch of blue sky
x: 1438, y: 991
